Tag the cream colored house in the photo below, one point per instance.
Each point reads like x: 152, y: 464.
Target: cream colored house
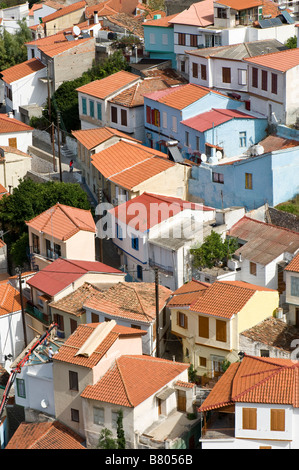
x: 64, y: 18
x: 61, y: 232
x: 291, y: 273
x: 14, y: 165
x: 209, y: 319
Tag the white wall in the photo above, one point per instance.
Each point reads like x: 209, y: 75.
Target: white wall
x: 24, y: 139
x: 11, y: 335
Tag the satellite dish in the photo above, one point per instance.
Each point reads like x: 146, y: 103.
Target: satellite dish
x: 218, y: 155
x: 76, y: 30
x: 203, y: 157
x: 44, y: 403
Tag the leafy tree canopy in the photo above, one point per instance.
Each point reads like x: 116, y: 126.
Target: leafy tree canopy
x: 12, y: 46
x: 106, y: 440
x: 291, y: 43
x: 213, y: 251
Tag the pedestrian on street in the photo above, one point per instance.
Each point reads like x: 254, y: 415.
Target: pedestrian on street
x: 71, y: 166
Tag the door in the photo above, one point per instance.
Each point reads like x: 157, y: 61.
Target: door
x: 297, y: 317
x: 181, y: 400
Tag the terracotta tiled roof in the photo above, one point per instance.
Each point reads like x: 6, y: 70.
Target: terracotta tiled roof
x: 236, y: 5
x: 8, y: 149
x: 54, y: 38
x: 62, y: 222
x: 119, y: 385
x: 9, y: 125
x: 16, y: 72
x: 293, y: 265
x: 10, y: 300
x: 188, y: 293
x: 131, y: 300
x: 107, y: 86
x: 214, y: 117
x: 102, y: 8
x: 156, y: 209
x: 199, y: 14
x: 273, y: 332
x: 3, y: 192
x: 61, y: 273
x: 181, y: 96
x: 264, y: 242
x: 133, y: 96
x: 256, y: 380
x: 163, y: 22
x: 64, y: 11
x: 179, y: 383
x: 281, y: 61
x: 90, y: 138
x: 68, y: 352
x: 73, y: 303
x: 47, y: 435
x: 137, y: 163
x: 274, y: 142
x: 226, y: 298
x: 55, y: 49
x: 133, y: 24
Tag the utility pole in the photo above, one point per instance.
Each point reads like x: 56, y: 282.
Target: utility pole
x: 50, y: 119
x: 22, y: 307
x: 157, y: 311
x: 100, y: 200
x: 58, y: 139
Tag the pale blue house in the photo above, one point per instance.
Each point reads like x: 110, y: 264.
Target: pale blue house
x: 159, y: 39
x: 271, y: 177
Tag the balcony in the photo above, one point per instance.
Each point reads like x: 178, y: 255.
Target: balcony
x: 168, y: 270
x: 38, y: 314
x: 221, y: 425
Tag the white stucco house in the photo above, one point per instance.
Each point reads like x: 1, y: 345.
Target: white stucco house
x: 14, y: 165
x: 291, y: 273
x: 14, y: 133
x: 10, y: 16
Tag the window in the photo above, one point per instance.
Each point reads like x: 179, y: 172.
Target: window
x: 95, y: 318
x: 114, y: 418
x: 75, y: 415
x: 148, y: 115
x: 59, y: 320
x: 114, y: 114
x: 139, y: 272
x: 264, y: 353
x: 193, y: 40
x: 164, y: 39
x: 248, y: 180
x: 277, y: 417
x: 152, y: 38
x: 84, y: 106
x: 264, y: 80
x: 156, y: 117
x: 187, y: 143
x: 73, y: 325
x: 252, y: 268
x: 221, y: 13
x: 137, y: 327
x: 35, y: 243
x: 135, y: 243
x: 254, y: 77
x: 226, y: 75
x: 57, y: 251
x: 203, y: 327
x: 242, y: 139
x: 197, y: 142
x: 221, y: 330
x: 181, y: 39
x: 91, y: 108
x: 183, y: 66
x: 274, y: 83
x: 218, y: 177
x: 174, y: 124
x: 99, y: 111
x: 194, y: 70
x: 203, y: 71
x: 295, y: 286
x: 21, y: 388
x: 242, y: 76
x: 119, y: 232
x: 164, y: 119
x: 98, y: 415
x: 12, y: 142
x: 123, y: 117
x: 249, y: 418
x: 73, y: 380
x: 202, y: 361
x: 182, y: 320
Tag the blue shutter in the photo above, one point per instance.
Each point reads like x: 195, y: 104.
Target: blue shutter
x: 84, y: 109
x: 99, y: 111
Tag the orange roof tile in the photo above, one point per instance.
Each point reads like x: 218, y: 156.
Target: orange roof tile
x: 133, y: 300
x: 9, y: 125
x: 64, y: 11
x: 256, y: 380
x: 73, y: 303
x: 137, y: 163
x: 188, y: 293
x: 119, y: 385
x: 90, y: 138
x: 226, y: 298
x: 106, y: 86
x: 293, y: 265
x: 63, y: 222
x: 53, y: 50
x: 16, y: 72
x: 181, y: 96
x: 47, y: 435
x: 10, y: 300
x: 236, y: 5
x: 133, y: 96
x: 52, y: 39
x: 68, y: 351
x: 281, y: 60
x: 198, y: 14
x: 163, y: 22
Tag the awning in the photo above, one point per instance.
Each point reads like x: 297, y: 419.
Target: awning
x: 165, y: 393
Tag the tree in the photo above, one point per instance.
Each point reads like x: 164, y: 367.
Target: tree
x: 121, y: 441
x: 106, y: 440
x: 291, y: 43
x: 12, y: 46
x: 192, y: 374
x: 213, y: 251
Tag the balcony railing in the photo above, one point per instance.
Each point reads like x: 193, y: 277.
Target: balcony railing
x: 38, y: 314
x: 164, y: 269
x: 219, y: 426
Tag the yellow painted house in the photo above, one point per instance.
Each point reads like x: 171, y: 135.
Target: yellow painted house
x: 208, y: 319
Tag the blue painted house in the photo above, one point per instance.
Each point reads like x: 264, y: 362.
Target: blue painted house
x: 271, y: 177
x: 159, y: 39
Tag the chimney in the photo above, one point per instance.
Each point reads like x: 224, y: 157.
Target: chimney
x: 95, y: 17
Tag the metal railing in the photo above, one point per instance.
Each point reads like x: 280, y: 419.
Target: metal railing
x: 38, y: 314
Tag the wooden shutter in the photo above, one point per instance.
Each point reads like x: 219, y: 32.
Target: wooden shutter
x: 249, y: 418
x: 221, y: 330
x: 226, y: 78
x: 274, y: 83
x: 123, y: 115
x: 194, y: 70
x: 203, y: 70
x: 12, y: 142
x: 148, y: 115
x: 264, y: 80
x: 254, y: 77
x: 203, y: 327
x: 277, y: 420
